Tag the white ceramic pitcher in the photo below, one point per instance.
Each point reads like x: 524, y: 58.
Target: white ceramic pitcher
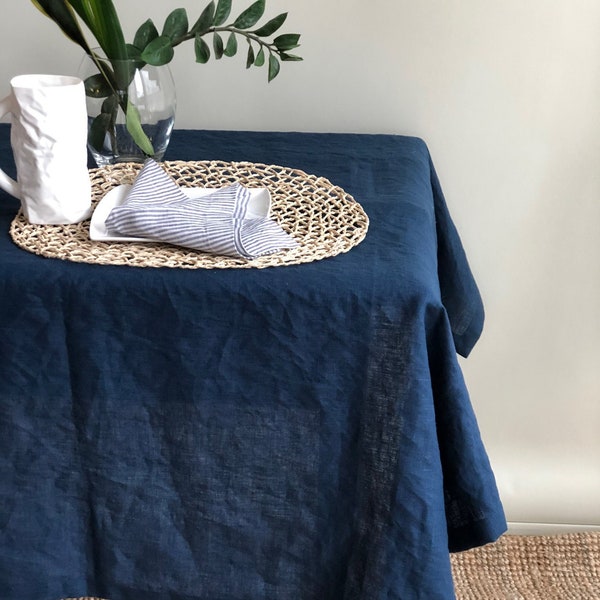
x: 49, y: 143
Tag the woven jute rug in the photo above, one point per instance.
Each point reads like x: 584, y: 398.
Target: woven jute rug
x: 320, y: 216
x: 561, y: 567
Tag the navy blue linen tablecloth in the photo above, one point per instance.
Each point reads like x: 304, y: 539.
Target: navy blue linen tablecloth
x: 292, y: 433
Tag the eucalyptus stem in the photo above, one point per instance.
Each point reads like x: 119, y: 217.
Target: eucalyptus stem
x: 228, y: 28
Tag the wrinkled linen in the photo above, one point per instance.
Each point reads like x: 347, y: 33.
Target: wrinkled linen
x: 298, y: 432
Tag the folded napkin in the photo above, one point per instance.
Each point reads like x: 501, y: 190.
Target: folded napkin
x: 219, y: 223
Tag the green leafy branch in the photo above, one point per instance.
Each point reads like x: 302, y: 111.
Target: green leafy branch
x: 157, y: 49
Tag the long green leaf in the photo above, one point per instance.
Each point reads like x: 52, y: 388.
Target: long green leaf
x: 133, y: 123
x: 102, y: 20
x: 62, y: 14
x: 98, y: 130
x: 251, y: 15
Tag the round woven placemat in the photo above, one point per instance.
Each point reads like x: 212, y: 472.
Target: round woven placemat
x: 321, y: 217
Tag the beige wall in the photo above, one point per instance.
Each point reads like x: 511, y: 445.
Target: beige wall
x: 506, y: 95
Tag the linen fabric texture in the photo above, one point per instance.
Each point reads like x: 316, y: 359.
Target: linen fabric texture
x: 219, y: 223
x: 292, y: 433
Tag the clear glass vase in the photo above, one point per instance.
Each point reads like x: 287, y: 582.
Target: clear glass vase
x: 131, y: 109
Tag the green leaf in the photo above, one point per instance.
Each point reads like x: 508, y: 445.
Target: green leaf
x: 205, y: 20
x: 259, y: 61
x: 251, y: 15
x: 250, y: 57
x: 96, y: 86
x: 117, y: 77
x: 218, y: 45
x: 287, y: 41
x: 202, y: 50
x: 111, y: 105
x: 274, y: 67
x: 102, y: 20
x: 270, y: 27
x: 97, y: 131
x: 223, y: 11
x: 232, y: 46
x: 289, y: 57
x: 64, y: 16
x: 176, y: 24
x: 159, y: 51
x: 145, y: 34
x: 133, y: 123
x: 133, y: 52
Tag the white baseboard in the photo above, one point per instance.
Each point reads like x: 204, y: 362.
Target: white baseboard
x: 548, y: 528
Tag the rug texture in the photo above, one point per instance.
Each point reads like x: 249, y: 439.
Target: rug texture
x: 560, y: 567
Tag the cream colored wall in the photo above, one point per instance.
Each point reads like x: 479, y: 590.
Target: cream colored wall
x: 506, y: 94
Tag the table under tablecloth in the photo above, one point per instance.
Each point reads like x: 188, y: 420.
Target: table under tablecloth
x: 291, y: 433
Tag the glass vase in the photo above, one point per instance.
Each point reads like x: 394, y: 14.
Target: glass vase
x: 131, y: 109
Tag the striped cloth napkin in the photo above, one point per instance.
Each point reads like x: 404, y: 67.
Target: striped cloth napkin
x: 219, y: 223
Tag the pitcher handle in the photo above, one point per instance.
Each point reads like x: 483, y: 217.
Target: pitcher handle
x: 8, y: 184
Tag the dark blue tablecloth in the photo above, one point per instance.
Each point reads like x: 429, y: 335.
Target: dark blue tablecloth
x: 292, y: 433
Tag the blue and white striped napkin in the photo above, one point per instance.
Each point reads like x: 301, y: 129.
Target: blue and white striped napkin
x: 219, y: 223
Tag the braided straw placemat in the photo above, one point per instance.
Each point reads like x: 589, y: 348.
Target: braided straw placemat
x: 321, y: 217
x: 555, y: 567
